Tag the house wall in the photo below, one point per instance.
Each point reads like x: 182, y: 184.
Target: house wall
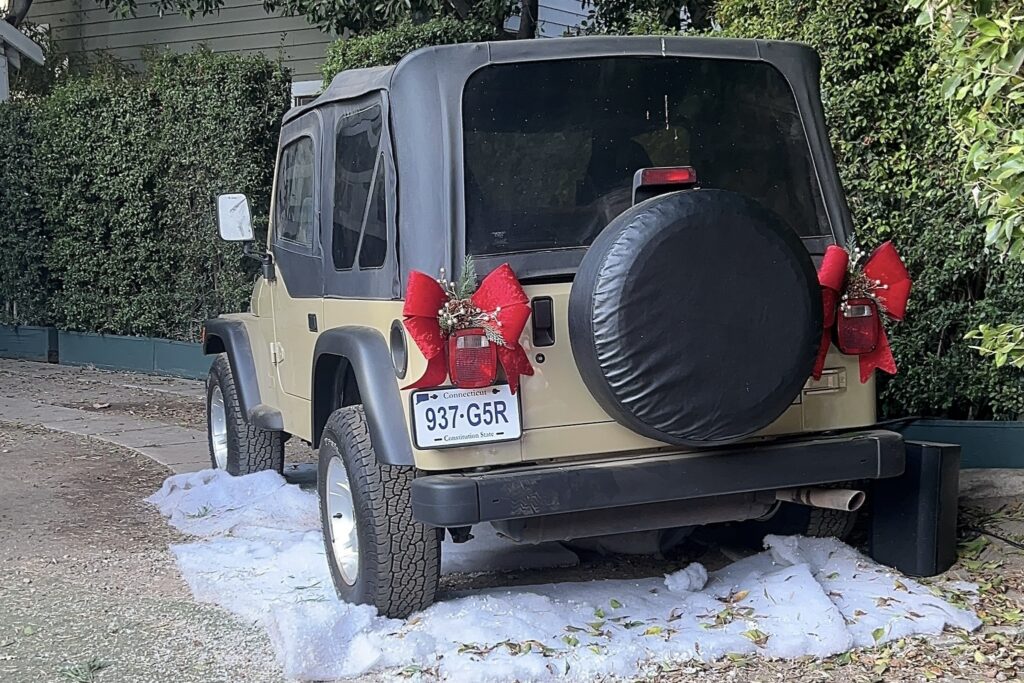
x: 555, y: 18
x: 83, y: 26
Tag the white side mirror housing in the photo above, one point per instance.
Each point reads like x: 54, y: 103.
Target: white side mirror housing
x: 234, y: 220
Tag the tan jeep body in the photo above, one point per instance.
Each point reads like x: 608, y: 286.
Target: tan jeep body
x: 560, y: 417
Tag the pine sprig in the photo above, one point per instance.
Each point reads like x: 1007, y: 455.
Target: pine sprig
x: 460, y: 313
x: 858, y: 284
x: 467, y: 284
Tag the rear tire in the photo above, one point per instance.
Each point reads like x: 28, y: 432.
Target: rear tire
x: 807, y: 521
x: 377, y: 553
x: 235, y: 445
x: 792, y: 518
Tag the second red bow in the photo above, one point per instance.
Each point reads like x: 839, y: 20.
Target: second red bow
x: 854, y: 298
x: 499, y: 304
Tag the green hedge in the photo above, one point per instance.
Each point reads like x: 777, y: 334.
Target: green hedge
x: 388, y: 46
x: 24, y: 278
x: 900, y: 166
x: 121, y: 172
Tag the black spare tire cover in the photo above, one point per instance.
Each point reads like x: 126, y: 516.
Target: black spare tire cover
x: 695, y: 317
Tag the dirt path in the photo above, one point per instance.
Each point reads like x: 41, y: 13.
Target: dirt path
x: 88, y: 588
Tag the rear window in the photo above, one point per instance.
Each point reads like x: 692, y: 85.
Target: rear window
x: 551, y: 147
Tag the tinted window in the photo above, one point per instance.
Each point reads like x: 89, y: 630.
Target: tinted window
x: 296, y: 210
x: 356, y: 146
x: 551, y: 147
x: 375, y: 234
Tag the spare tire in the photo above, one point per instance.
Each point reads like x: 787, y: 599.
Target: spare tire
x: 695, y: 317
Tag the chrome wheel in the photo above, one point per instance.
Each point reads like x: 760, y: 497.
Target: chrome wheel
x: 218, y: 428
x: 344, y: 539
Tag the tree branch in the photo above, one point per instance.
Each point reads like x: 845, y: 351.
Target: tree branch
x: 528, y: 19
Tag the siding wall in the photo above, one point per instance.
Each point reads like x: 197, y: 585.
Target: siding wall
x: 555, y: 18
x: 84, y: 26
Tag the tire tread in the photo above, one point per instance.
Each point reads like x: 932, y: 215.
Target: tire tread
x: 250, y: 449
x: 400, y: 561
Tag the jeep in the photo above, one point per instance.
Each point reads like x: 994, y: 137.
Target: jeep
x: 663, y: 204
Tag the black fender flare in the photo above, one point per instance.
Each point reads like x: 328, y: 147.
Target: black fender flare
x: 364, y: 351
x: 223, y: 335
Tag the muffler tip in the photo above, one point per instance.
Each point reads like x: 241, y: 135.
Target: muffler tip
x: 846, y: 500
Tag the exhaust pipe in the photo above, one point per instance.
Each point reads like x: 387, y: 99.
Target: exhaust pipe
x: 847, y: 500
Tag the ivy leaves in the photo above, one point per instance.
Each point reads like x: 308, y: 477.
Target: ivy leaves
x: 980, y: 48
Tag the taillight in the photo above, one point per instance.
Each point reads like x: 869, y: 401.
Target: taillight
x: 472, y: 359
x: 668, y: 175
x: 858, y: 326
x: 650, y: 182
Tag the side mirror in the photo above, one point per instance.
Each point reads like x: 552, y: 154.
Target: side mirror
x: 234, y: 220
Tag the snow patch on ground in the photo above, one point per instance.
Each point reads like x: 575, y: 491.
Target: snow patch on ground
x: 260, y: 555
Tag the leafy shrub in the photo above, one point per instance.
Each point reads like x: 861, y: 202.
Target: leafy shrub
x: 981, y: 50
x: 122, y: 233
x: 1002, y: 342
x: 899, y: 161
x: 24, y: 279
x: 390, y: 45
x: 97, y: 168
x: 981, y: 53
x: 219, y: 122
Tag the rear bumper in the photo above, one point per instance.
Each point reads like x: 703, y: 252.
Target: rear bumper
x: 463, y: 499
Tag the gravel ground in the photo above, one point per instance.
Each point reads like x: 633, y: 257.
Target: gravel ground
x: 89, y: 591
x: 88, y: 588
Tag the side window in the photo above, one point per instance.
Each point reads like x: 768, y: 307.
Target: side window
x: 296, y: 210
x: 375, y: 234
x: 355, y: 159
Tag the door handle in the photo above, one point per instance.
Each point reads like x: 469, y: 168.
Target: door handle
x: 543, y: 321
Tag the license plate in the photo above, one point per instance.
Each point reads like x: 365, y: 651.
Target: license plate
x: 448, y: 417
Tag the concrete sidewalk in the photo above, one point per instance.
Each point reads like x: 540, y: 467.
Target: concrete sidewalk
x: 58, y: 397
x: 177, y: 448
x: 162, y: 418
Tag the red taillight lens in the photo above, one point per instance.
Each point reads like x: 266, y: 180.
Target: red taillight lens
x: 858, y: 326
x: 472, y: 359
x: 667, y: 175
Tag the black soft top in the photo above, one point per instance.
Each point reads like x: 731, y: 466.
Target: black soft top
x: 423, y: 94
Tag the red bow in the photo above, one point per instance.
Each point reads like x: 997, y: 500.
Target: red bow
x: 890, y: 288
x: 499, y: 292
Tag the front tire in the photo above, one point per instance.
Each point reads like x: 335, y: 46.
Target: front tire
x: 377, y: 553
x: 235, y: 445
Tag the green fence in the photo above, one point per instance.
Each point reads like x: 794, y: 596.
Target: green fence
x: 106, y: 351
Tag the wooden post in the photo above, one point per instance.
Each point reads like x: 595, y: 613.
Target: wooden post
x: 13, y: 46
x: 5, y: 82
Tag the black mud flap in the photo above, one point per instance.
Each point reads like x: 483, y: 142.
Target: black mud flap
x: 913, y: 524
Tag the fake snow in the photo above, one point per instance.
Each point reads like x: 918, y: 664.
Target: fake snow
x: 260, y: 555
